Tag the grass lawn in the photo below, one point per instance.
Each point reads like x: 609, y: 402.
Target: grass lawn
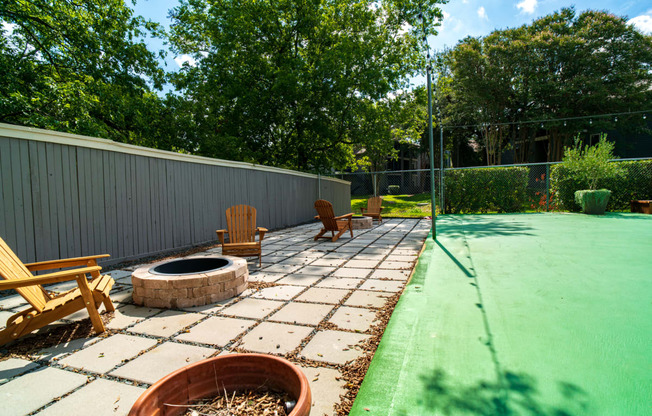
x: 397, y: 205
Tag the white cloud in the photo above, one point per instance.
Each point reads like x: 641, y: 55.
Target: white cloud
x: 405, y: 28
x: 527, y: 6
x: 180, y: 60
x: 643, y: 22
x: 482, y: 14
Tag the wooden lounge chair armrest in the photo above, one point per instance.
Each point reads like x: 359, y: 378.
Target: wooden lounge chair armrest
x: 345, y: 216
x: 362, y: 210
x: 261, y: 232
x: 55, y: 277
x: 380, y: 209
x: 220, y: 235
x: 62, y: 263
x: 317, y: 217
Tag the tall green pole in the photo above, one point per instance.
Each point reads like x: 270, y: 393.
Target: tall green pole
x: 432, y: 157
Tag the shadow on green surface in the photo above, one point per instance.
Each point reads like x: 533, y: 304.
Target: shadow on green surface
x: 514, y: 395
x: 481, y: 226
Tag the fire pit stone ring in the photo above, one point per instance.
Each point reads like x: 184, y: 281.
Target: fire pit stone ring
x: 191, y: 281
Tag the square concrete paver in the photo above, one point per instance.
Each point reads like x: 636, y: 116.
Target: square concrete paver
x: 382, y: 285
x: 391, y: 274
x: 161, y: 361
x: 98, y: 398
x: 326, y: 389
x: 252, y: 308
x: 328, y: 262
x: 217, y: 330
x: 353, y: 319
x: 323, y: 295
x: 60, y: 350
x: 299, y: 279
x: 280, y: 292
x: 362, y: 264
x: 396, y: 265
x: 317, y: 270
x: 123, y: 296
x: 13, y: 367
x: 282, y: 268
x: 265, y: 277
x: 32, y: 391
x: 12, y: 302
x: 339, y: 282
x: 336, y: 347
x: 130, y: 314
x: 367, y: 299
x: 352, y: 272
x: 398, y: 257
x: 166, y: 323
x: 302, y: 313
x: 108, y: 353
x: 269, y: 337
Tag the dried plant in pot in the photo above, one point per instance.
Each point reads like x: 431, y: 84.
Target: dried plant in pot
x: 212, y: 377
x: 591, y: 166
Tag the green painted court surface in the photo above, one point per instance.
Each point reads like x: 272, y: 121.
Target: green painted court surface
x: 532, y: 314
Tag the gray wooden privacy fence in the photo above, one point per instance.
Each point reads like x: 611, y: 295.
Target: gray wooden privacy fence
x: 66, y: 195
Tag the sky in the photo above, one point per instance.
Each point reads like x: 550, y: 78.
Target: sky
x: 462, y: 18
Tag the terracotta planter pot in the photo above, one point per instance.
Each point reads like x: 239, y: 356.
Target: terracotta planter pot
x: 208, y: 378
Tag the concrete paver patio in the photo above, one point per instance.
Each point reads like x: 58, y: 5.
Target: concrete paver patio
x: 322, y: 300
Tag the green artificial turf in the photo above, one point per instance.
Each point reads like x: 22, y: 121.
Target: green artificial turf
x: 521, y: 314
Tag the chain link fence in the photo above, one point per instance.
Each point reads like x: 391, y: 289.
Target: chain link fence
x: 513, y: 188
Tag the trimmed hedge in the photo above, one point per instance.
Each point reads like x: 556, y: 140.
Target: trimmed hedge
x: 634, y: 183
x: 486, y: 189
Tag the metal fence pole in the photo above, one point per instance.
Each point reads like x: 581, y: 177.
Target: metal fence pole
x: 432, y: 157
x: 547, y: 187
x: 318, y: 186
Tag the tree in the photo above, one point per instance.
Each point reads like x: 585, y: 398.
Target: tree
x: 287, y: 83
x: 562, y: 65
x: 80, y: 67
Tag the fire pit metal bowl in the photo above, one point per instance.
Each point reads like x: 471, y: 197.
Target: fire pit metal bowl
x: 193, y: 281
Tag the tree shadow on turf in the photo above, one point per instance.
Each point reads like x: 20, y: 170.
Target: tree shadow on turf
x: 513, y: 395
x: 485, y: 226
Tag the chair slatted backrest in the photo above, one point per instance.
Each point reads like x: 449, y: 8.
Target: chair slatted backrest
x: 374, y: 204
x: 241, y: 223
x: 326, y: 215
x: 11, y: 268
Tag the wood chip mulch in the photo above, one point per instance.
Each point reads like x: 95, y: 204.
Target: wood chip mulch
x: 354, y: 372
x: 241, y: 403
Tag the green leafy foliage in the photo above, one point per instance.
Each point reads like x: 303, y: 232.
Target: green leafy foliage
x: 561, y: 65
x: 486, y: 189
x: 633, y: 182
x: 300, y: 84
x: 592, y: 201
x: 411, y: 206
x: 590, y: 164
x: 80, y: 67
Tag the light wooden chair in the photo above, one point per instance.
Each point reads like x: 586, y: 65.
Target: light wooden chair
x: 331, y: 222
x: 45, y: 308
x: 241, y: 227
x: 373, y: 208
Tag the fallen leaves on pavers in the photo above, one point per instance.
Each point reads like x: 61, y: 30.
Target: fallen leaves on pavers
x: 354, y: 372
x: 260, y: 285
x: 59, y: 334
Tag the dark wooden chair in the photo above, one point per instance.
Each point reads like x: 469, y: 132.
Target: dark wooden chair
x: 241, y: 227
x: 46, y: 308
x: 373, y: 208
x: 331, y: 222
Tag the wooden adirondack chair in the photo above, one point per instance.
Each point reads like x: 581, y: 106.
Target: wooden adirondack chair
x: 241, y: 226
x: 374, y: 208
x: 45, y: 308
x: 331, y: 222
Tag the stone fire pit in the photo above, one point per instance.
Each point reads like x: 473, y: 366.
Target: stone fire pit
x: 189, y: 282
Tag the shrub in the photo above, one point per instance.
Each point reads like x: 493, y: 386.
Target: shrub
x: 633, y: 182
x: 393, y: 189
x: 486, y: 189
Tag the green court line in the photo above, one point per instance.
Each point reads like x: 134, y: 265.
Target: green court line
x: 530, y: 314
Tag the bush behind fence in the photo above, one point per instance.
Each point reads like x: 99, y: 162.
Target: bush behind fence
x: 531, y: 187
